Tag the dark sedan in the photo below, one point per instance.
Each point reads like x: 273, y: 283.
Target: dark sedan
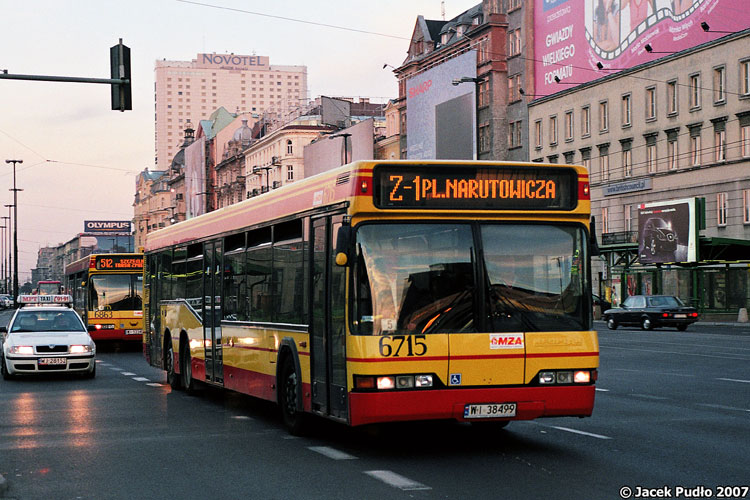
x: 651, y: 311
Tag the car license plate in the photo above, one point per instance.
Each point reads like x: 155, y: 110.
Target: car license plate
x: 490, y: 410
x: 133, y: 332
x: 680, y: 315
x: 52, y: 361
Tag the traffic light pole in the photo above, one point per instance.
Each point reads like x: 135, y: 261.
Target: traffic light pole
x: 119, y: 66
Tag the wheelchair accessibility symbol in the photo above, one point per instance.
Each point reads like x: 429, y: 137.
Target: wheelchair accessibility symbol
x: 455, y: 379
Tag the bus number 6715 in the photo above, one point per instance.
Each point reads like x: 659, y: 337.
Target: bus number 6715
x: 391, y: 345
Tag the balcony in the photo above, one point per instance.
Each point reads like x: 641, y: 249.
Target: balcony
x: 619, y: 237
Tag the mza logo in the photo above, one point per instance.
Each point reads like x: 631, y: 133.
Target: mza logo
x: 506, y: 340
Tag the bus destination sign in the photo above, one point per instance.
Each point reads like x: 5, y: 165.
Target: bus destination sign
x: 118, y: 262
x: 491, y: 187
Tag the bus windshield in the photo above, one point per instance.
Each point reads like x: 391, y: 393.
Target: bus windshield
x: 430, y: 278
x: 115, y: 292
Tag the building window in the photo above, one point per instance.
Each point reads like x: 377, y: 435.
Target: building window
x: 695, y: 150
x: 568, y: 125
x: 514, y: 42
x: 569, y: 157
x: 553, y: 130
x: 605, y: 220
x: 514, y: 4
x: 721, y: 209
x: 745, y: 138
x: 586, y: 158
x: 651, y: 158
x: 538, y: 134
x: 585, y: 121
x: 746, y: 206
x: 289, y: 147
x: 290, y: 173
x: 484, y: 137
x: 745, y: 77
x: 626, y: 110
x: 514, y: 87
x: 604, y: 163
x: 672, y: 97
x: 484, y: 92
x: 651, y: 103
x: 719, y: 85
x: 514, y: 134
x: 603, y: 116
x: 626, y: 215
x: 720, y: 145
x: 626, y: 146
x: 695, y: 91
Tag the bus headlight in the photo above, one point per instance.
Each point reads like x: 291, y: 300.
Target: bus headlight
x: 582, y: 377
x: 423, y: 381
x: 385, y: 383
x: 546, y: 377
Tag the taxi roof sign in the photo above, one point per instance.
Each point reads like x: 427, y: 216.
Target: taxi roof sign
x: 45, y: 299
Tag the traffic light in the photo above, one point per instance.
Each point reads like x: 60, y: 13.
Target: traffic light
x: 119, y: 64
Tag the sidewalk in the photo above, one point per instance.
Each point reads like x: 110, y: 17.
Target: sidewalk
x: 729, y: 324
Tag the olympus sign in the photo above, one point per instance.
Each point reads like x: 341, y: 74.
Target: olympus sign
x: 106, y: 226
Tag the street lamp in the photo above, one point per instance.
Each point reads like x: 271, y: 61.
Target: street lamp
x: 15, y: 232
x: 477, y: 81
x: 10, y: 255
x: 2, y: 255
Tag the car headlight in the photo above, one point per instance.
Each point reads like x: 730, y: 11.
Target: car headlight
x: 80, y: 349
x: 22, y: 349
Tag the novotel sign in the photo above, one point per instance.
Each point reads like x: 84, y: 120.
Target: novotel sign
x: 233, y: 61
x: 107, y: 226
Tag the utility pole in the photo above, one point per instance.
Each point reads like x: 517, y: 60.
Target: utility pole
x: 15, y: 232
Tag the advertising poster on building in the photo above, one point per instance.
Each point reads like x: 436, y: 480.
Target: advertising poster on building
x: 440, y: 116
x: 195, y: 178
x: 572, y: 36
x: 667, y: 232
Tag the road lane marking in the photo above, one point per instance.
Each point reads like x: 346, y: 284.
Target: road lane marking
x: 331, y: 453
x: 648, y: 396
x: 723, y: 407
x: 734, y: 380
x: 128, y: 374
x: 575, y: 431
x: 241, y: 417
x: 397, y: 481
x: 601, y: 390
x: 141, y: 379
x: 115, y: 368
x: 155, y: 384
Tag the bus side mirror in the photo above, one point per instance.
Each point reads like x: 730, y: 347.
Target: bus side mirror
x: 593, y: 243
x: 343, y: 245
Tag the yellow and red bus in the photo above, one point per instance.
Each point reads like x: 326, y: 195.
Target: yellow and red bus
x: 107, y: 292
x: 386, y: 291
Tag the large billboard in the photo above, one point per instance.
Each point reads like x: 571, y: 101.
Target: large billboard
x: 667, y: 232
x: 440, y: 116
x: 195, y: 178
x: 572, y: 36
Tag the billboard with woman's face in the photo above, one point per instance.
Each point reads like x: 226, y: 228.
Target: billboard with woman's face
x: 572, y: 36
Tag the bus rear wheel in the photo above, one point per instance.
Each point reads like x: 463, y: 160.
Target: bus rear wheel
x: 173, y: 378
x: 293, y: 416
x: 188, y: 382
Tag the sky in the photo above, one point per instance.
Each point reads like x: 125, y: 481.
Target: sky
x: 81, y: 159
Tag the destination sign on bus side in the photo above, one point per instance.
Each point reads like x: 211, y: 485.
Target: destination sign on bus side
x: 480, y: 188
x: 119, y: 262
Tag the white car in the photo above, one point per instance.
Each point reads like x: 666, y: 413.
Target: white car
x: 6, y: 301
x: 46, y: 339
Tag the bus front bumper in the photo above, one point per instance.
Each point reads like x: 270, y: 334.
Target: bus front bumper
x: 531, y: 403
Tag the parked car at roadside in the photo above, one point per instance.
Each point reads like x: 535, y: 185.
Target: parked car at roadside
x: 651, y: 311
x: 6, y: 301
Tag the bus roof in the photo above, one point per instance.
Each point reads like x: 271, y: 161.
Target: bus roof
x: 337, y: 185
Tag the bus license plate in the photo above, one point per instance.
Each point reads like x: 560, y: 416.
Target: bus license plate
x: 490, y: 410
x: 133, y: 332
x: 52, y: 361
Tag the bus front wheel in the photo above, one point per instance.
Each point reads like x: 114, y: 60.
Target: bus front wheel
x: 292, y: 415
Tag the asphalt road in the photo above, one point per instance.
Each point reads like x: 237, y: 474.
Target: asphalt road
x: 672, y: 411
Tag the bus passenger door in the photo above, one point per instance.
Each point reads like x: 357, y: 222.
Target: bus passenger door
x: 327, y: 328
x: 212, y: 313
